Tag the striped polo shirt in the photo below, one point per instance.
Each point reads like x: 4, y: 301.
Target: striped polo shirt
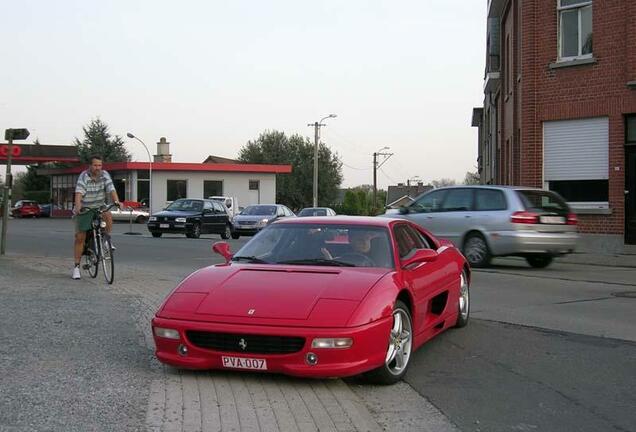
x: 94, y: 191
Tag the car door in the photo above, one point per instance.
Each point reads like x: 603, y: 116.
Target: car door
x: 455, y: 215
x: 425, y: 280
x: 208, y: 218
x: 220, y: 217
x: 424, y: 211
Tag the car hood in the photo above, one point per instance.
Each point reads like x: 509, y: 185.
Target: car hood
x: 271, y: 294
x: 177, y: 213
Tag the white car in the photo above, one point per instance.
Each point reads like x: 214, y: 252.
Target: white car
x: 138, y: 215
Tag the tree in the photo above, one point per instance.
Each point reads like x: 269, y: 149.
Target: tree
x: 98, y: 140
x: 472, y: 178
x: 443, y: 182
x: 296, y: 189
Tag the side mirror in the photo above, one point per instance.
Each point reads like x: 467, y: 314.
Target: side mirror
x: 420, y: 256
x: 207, y: 211
x: 223, y: 249
x: 404, y: 210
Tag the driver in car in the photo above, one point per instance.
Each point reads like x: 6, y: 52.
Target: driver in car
x: 360, y: 242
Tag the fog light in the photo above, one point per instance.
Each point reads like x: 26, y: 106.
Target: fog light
x: 332, y: 343
x: 311, y: 359
x: 167, y: 333
x: 182, y: 350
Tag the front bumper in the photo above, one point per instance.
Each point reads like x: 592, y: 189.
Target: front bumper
x: 532, y: 242
x: 172, y: 227
x: 367, y: 352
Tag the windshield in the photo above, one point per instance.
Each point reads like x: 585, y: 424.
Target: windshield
x: 542, y: 201
x: 313, y: 212
x: 320, y: 244
x: 186, y: 205
x: 259, y: 210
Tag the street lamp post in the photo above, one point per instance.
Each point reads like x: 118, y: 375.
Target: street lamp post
x: 317, y: 126
x: 131, y: 136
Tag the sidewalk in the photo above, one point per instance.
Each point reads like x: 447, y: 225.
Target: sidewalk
x: 218, y: 400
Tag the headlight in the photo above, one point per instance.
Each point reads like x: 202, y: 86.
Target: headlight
x: 265, y: 220
x: 180, y: 220
x: 102, y: 224
x: 152, y: 219
x: 332, y: 343
x: 167, y: 333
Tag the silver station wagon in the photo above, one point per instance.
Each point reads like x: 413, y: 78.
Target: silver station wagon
x: 490, y: 221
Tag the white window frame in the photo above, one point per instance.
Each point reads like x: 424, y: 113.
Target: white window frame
x: 582, y: 4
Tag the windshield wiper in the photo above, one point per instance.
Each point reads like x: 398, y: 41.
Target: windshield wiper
x: 317, y: 261
x: 251, y: 259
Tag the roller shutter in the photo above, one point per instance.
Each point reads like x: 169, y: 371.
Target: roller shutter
x: 576, y: 149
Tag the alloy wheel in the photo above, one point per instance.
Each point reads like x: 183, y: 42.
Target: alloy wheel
x: 400, y: 342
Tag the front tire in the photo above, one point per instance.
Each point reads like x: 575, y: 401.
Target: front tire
x: 196, y: 231
x: 476, y: 250
x: 539, y: 261
x: 156, y: 234
x: 236, y: 236
x: 141, y: 219
x: 108, y: 262
x: 463, y: 305
x: 398, y: 353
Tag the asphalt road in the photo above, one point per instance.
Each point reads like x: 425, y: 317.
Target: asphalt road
x: 548, y: 350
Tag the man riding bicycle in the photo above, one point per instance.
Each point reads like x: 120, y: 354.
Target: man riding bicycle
x: 93, y: 186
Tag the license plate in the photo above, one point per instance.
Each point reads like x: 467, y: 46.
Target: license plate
x: 559, y: 220
x: 244, y: 363
x: 164, y: 225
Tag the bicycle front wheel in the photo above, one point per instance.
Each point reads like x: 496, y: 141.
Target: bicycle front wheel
x: 108, y: 263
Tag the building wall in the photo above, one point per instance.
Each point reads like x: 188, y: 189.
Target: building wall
x: 234, y: 184
x: 590, y: 90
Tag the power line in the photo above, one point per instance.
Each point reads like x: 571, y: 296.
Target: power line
x: 359, y: 169
x: 387, y: 176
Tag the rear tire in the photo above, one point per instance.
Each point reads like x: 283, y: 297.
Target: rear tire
x: 227, y: 233
x: 476, y: 250
x: 141, y: 219
x: 156, y: 234
x: 398, y: 350
x: 539, y: 261
x: 90, y: 263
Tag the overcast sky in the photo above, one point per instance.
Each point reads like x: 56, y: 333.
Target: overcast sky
x: 211, y: 75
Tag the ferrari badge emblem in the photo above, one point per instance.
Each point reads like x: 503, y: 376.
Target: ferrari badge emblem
x: 243, y: 344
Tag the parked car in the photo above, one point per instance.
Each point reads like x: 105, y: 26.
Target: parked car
x: 138, y: 215
x: 25, y: 208
x: 254, y: 218
x: 490, y: 221
x: 191, y: 217
x: 316, y: 211
x: 293, y: 301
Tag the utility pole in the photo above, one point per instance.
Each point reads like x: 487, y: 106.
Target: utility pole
x: 377, y: 165
x: 317, y: 126
x: 9, y: 135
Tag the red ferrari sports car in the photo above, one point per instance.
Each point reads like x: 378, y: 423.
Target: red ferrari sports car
x: 317, y: 297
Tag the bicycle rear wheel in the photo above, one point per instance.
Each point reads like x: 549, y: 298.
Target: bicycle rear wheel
x: 90, y: 262
x: 108, y: 263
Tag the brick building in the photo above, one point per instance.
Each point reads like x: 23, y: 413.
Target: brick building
x: 560, y: 108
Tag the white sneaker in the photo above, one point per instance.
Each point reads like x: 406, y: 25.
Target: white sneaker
x: 76, y: 273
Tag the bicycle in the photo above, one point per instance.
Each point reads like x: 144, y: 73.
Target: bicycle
x: 97, y: 247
